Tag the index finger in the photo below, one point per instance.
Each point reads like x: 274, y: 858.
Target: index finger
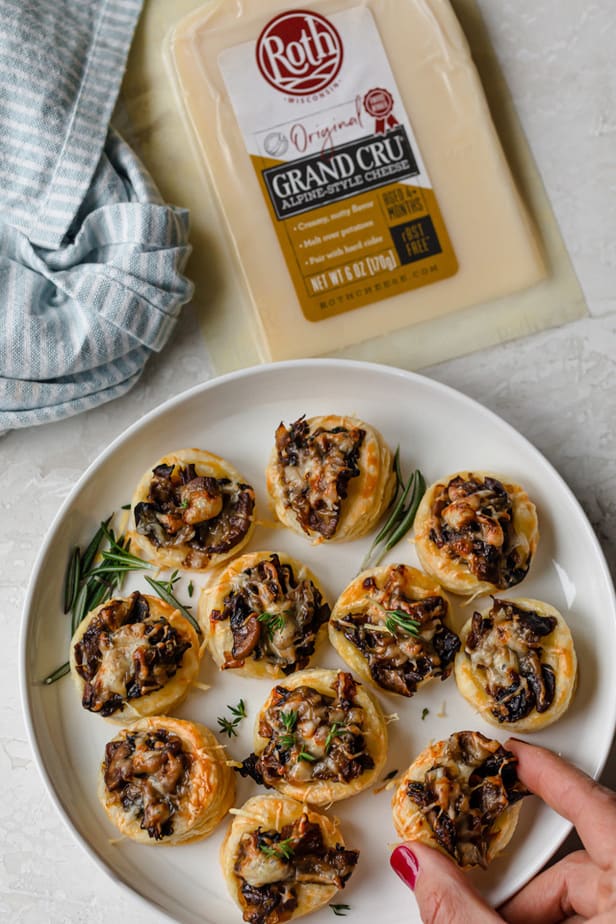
x: 574, y: 795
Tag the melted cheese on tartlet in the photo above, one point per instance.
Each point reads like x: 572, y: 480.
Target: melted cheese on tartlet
x: 377, y: 646
x: 272, y: 814
x: 270, y: 597
x: 466, y: 541
x: 169, y: 534
x: 122, y: 654
x: 201, y: 797
x: 318, y: 741
x: 311, y: 479
x: 465, y: 799
x: 502, y: 673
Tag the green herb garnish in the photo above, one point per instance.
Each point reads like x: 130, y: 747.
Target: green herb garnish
x: 334, y: 732
x: 272, y: 622
x: 125, y: 507
x: 304, y: 755
x: 61, y: 671
x: 401, y: 517
x: 398, y: 619
x: 281, y: 849
x: 289, y: 719
x: 340, y: 910
x: 191, y: 588
x: 163, y: 589
x: 390, y: 776
x: 424, y: 712
x: 229, y: 726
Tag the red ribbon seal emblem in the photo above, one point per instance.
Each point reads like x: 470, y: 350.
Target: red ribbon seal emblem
x: 379, y: 103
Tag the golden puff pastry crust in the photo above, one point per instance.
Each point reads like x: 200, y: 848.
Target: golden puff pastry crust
x: 264, y: 614
x: 330, y: 477
x: 282, y: 860
x: 191, y: 510
x: 165, y: 781
x: 476, y: 532
x: 392, y: 627
x: 462, y: 796
x: 517, y: 664
x: 319, y: 738
x: 134, y: 656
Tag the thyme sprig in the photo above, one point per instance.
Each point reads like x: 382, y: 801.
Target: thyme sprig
x: 281, y: 849
x: 398, y: 619
x: 305, y: 755
x: 272, y: 622
x: 340, y: 910
x: 229, y: 726
x: 401, y: 518
x: 289, y: 720
x: 335, y: 731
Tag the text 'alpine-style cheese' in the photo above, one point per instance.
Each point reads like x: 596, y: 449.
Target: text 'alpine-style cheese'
x: 356, y: 163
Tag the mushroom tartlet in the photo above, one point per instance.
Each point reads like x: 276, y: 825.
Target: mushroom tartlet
x: 330, y: 478
x: 135, y: 655
x: 165, y: 781
x: 462, y: 796
x: 517, y: 664
x: 391, y: 626
x: 282, y: 860
x: 192, y: 510
x: 264, y: 614
x: 476, y: 532
x: 319, y: 738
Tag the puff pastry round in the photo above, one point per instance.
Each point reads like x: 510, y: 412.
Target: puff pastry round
x: 330, y: 478
x: 134, y: 655
x: 165, y: 781
x: 517, y: 664
x: 264, y: 614
x: 461, y: 796
x: 319, y: 738
x: 476, y: 532
x: 392, y: 627
x: 191, y: 510
x: 281, y: 859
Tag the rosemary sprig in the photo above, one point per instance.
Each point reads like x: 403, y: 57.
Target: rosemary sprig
x: 272, y: 622
x: 340, y: 910
x: 229, y: 726
x: 398, y: 619
x: 400, y: 520
x: 281, y: 849
x: 163, y: 589
x: 71, y: 581
x: 61, y: 671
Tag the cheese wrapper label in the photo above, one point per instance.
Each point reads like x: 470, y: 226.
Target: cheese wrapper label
x: 338, y: 162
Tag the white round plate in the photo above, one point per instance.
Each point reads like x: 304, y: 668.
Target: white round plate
x: 439, y: 431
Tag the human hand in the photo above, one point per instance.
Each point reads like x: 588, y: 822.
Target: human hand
x: 581, y: 887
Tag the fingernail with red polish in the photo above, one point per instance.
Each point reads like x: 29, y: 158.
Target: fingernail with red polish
x: 404, y: 862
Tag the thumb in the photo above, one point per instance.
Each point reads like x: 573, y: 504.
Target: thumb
x: 443, y: 893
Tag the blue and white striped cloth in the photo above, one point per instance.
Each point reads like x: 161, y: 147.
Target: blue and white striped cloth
x: 91, y: 259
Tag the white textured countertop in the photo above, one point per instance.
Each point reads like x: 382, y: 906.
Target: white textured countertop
x: 558, y: 388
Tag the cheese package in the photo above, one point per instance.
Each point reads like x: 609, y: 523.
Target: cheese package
x: 356, y: 164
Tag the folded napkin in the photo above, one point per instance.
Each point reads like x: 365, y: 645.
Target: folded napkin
x: 91, y: 259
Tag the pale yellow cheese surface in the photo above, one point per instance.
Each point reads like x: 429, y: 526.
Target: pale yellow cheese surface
x: 496, y: 246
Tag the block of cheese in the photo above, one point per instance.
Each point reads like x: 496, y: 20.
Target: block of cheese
x: 357, y: 167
